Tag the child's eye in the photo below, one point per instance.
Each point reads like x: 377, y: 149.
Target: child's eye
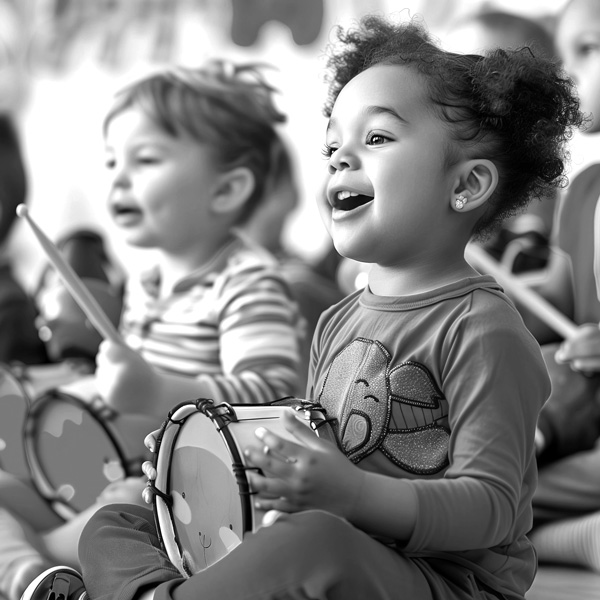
x: 147, y: 160
x: 375, y: 139
x: 587, y: 48
x: 328, y: 150
x: 110, y: 163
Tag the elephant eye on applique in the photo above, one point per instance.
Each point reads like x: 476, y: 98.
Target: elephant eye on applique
x: 400, y: 412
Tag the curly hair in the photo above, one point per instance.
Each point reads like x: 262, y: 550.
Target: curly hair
x: 509, y: 106
x: 226, y: 106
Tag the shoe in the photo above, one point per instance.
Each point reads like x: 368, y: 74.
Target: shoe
x: 56, y: 583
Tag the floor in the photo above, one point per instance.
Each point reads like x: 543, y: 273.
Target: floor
x: 563, y: 583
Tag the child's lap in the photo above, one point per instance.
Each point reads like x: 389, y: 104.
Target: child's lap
x: 307, y: 554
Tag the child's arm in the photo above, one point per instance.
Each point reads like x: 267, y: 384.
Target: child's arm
x: 129, y: 384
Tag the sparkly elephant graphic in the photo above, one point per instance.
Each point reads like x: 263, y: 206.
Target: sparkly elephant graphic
x: 400, y: 411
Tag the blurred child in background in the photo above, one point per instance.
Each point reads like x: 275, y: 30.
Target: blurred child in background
x: 567, y: 502
x: 189, y: 154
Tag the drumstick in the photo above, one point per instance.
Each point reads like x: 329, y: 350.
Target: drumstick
x: 548, y: 313
x: 73, y: 283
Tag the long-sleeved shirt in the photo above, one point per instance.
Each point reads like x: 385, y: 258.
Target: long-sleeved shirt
x: 443, y: 389
x: 231, y: 324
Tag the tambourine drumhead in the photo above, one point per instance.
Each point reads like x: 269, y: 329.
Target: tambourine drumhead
x: 19, y: 387
x: 76, y: 446
x: 203, y: 506
x: 14, y: 404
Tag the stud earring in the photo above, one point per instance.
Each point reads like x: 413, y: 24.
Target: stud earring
x: 460, y: 202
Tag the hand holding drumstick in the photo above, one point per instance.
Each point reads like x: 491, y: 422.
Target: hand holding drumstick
x: 581, y: 345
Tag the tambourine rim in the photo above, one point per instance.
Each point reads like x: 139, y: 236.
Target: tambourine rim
x: 7, y: 369
x: 61, y: 506
x: 161, y: 507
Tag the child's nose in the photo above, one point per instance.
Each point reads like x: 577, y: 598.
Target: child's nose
x: 342, y: 159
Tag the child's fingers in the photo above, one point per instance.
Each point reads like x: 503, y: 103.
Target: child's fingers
x: 148, y: 470
x: 278, y: 448
x: 150, y: 440
x: 305, y: 435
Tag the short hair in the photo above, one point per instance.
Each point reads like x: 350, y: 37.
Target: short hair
x: 509, y: 106
x: 226, y: 106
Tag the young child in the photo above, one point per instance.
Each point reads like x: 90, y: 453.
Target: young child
x: 189, y: 153
x: 432, y: 381
x: 567, y: 501
x: 19, y: 341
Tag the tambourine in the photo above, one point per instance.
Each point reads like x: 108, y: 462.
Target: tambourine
x: 76, y: 445
x: 202, y: 497
x: 20, y: 385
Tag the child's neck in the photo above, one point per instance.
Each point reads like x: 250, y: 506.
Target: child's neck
x: 398, y: 281
x: 176, y: 266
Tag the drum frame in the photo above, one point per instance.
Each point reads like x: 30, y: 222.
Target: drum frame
x: 221, y: 415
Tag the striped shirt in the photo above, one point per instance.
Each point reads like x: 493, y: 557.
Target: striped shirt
x: 232, y: 324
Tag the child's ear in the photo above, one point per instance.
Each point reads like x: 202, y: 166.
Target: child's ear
x: 233, y: 190
x: 478, y: 180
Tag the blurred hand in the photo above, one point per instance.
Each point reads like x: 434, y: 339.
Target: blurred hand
x: 312, y: 473
x: 125, y: 491
x: 124, y: 379
x: 582, y: 350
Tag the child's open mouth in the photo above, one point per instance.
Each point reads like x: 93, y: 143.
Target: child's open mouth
x: 346, y: 200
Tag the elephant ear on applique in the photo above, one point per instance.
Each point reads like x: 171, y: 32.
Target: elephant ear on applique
x: 417, y: 438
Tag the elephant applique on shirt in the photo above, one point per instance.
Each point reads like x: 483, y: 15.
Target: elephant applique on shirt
x: 399, y: 411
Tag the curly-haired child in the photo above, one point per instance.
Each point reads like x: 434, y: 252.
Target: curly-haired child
x: 429, y: 375
x: 189, y: 154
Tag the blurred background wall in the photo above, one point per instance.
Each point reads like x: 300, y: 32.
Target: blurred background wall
x: 61, y: 61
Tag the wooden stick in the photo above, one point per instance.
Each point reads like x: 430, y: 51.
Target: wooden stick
x: 548, y: 313
x: 73, y: 283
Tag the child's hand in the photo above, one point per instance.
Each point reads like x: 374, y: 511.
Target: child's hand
x: 582, y: 350
x: 300, y: 476
x: 124, y: 379
x: 148, y: 466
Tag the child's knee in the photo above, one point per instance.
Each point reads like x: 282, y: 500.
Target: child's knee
x: 110, y: 519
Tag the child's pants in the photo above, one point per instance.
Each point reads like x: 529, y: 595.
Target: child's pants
x: 307, y: 555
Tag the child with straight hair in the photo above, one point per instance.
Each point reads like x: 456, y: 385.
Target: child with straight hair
x: 189, y: 153
x: 431, y: 380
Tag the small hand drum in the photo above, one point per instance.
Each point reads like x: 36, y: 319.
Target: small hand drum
x: 76, y: 445
x: 19, y: 387
x: 202, y: 497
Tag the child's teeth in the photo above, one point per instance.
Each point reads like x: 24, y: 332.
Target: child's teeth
x: 346, y: 194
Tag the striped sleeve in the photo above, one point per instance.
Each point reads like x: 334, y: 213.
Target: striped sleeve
x: 259, y: 336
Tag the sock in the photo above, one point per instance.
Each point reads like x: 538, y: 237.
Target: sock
x: 571, y: 541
